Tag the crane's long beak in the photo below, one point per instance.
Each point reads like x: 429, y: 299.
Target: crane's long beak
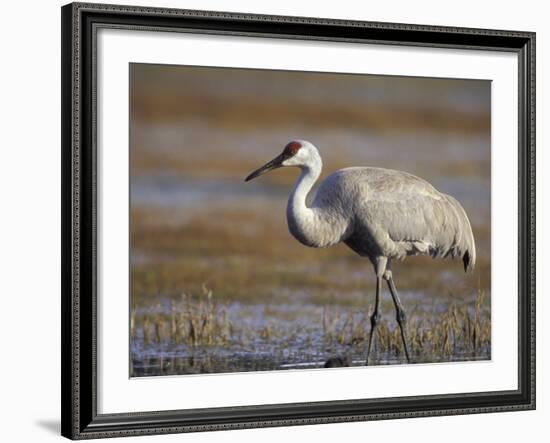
x: 273, y: 164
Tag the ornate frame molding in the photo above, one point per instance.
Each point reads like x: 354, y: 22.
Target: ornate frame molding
x: 79, y: 392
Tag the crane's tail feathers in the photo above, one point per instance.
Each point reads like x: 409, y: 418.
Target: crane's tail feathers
x: 469, y: 257
x: 469, y: 246
x: 468, y: 263
x: 466, y: 246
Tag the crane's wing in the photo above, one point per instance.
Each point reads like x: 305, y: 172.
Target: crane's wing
x: 405, y: 215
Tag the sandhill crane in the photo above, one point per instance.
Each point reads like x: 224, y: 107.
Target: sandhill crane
x: 381, y: 214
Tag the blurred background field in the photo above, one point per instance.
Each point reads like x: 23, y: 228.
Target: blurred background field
x: 218, y: 284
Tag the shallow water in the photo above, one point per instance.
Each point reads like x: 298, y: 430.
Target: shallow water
x: 281, y: 337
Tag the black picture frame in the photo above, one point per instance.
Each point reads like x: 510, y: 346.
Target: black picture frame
x: 79, y: 180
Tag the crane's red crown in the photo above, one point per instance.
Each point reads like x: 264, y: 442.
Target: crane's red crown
x: 292, y: 148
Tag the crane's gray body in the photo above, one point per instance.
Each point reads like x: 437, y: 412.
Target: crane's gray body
x: 383, y: 212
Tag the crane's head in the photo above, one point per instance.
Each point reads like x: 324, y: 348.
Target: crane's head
x: 300, y: 153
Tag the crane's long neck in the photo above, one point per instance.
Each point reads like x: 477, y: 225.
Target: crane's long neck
x: 303, y: 221
x: 297, y: 205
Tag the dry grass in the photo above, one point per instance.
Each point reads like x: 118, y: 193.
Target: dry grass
x: 230, y: 98
x: 201, y: 325
x: 249, y: 112
x: 249, y: 255
x: 433, y: 336
x: 193, y: 320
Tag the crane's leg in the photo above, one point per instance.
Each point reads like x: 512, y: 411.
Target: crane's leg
x: 399, y: 311
x: 374, y: 318
x: 379, y: 267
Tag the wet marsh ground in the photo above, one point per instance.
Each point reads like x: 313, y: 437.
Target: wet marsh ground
x: 218, y: 284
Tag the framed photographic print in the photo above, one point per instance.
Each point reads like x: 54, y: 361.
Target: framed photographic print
x: 273, y: 221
